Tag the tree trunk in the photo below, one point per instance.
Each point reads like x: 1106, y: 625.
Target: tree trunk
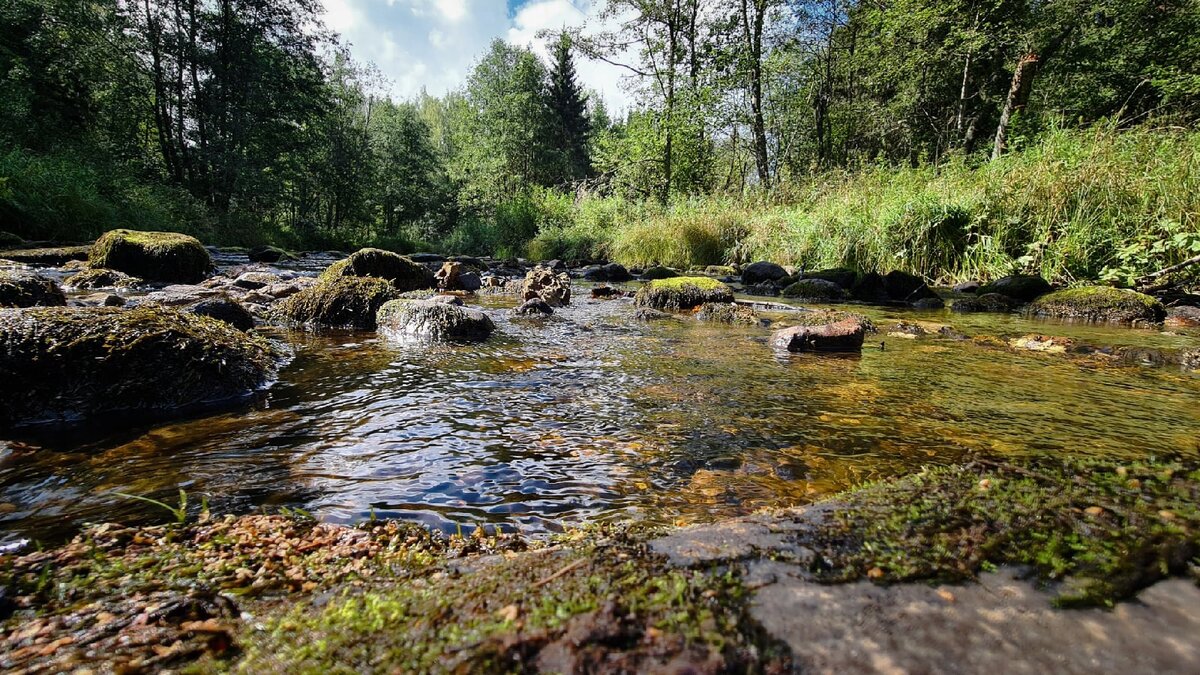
x: 1018, y: 96
x: 752, y: 28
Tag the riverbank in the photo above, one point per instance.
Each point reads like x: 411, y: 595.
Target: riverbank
x: 950, y: 569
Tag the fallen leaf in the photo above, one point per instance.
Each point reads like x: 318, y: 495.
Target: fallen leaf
x: 509, y: 613
x: 946, y: 595
x: 1094, y: 511
x: 874, y: 573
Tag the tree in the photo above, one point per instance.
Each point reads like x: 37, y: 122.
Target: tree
x: 568, y: 114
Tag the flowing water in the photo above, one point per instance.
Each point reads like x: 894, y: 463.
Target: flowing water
x: 591, y: 415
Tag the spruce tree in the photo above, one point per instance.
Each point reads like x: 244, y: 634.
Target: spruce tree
x: 568, y: 109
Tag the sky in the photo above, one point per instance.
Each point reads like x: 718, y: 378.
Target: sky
x: 433, y: 44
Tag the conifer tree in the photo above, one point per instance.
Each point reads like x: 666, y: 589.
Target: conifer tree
x: 568, y: 109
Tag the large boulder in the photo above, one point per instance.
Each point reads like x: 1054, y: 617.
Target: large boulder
x: 19, y: 288
x: 843, y: 335
x: 757, y: 273
x: 339, y: 302
x: 1021, y: 287
x: 75, y: 363
x: 614, y: 272
x: 1101, y: 304
x: 870, y: 287
x: 815, y: 290
x: 154, y: 256
x: 659, y: 272
x: 554, y: 288
x: 682, y: 293
x: 841, y: 276
x: 403, y: 273
x: 433, y: 321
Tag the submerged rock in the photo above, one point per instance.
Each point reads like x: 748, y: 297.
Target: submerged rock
x: 154, y: 256
x: 815, y: 290
x: 74, y: 363
x: 434, y: 321
x: 401, y: 272
x: 1021, y: 287
x: 48, y: 257
x: 728, y: 312
x: 19, y: 288
x: 757, y: 273
x: 94, y: 277
x: 646, y: 315
x: 1102, y: 304
x: 988, y: 302
x: 1183, y: 316
x: 682, y: 293
x: 840, y: 336
x: 338, y: 302
x: 534, y: 307
x: 553, y: 288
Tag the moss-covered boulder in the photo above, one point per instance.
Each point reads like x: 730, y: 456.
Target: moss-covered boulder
x: 339, y: 302
x: 48, y: 257
x: 728, y: 313
x: 403, y: 273
x: 815, y: 290
x: 1101, y: 304
x: 433, y: 321
x: 682, y: 293
x: 269, y: 254
x: 95, y: 277
x: 659, y: 272
x: 154, y: 256
x: 76, y: 363
x: 988, y: 302
x: 19, y: 288
x: 1021, y: 287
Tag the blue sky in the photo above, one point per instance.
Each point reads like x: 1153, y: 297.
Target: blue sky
x: 433, y: 44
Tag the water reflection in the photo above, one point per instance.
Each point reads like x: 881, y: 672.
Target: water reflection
x: 591, y: 415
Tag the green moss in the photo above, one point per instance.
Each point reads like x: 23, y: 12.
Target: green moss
x: 1104, y: 528
x: 50, y: 257
x: 94, y: 277
x: 19, y: 288
x: 402, y: 272
x: 337, y: 302
x: 682, y: 293
x: 1100, y: 304
x: 821, y: 317
x: 730, y: 313
x: 73, y: 363
x: 155, y: 256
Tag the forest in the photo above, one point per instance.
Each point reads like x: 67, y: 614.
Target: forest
x: 949, y: 138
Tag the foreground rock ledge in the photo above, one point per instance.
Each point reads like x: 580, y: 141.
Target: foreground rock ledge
x: 76, y: 363
x: 843, y: 586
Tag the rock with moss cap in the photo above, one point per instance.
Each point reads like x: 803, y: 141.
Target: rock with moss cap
x: 815, y: 290
x: 1020, y: 287
x: 1101, y: 304
x: 20, y: 288
x: 430, y: 321
x: 729, y: 313
x: 94, y: 277
x: 401, y: 272
x: 682, y: 293
x: 155, y: 256
x: 349, y: 302
x: 76, y: 363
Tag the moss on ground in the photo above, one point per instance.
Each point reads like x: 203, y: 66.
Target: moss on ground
x: 19, y: 288
x: 403, y: 273
x: 338, y: 302
x: 1102, y: 304
x: 73, y: 363
x: 1102, y: 529
x: 682, y: 293
x: 155, y: 256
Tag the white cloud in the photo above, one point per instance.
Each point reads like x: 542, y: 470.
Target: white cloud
x: 433, y: 44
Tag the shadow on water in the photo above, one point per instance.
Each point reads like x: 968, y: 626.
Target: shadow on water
x: 590, y: 415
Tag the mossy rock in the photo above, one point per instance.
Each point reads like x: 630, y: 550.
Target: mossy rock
x: 841, y: 276
x: 1102, y: 304
x: 988, y: 302
x: 659, y: 272
x: 269, y: 254
x: 350, y: 302
x: 815, y: 290
x: 19, y: 288
x: 225, y: 309
x: 1021, y: 287
x: 729, y: 313
x: 95, y: 277
x: 682, y: 293
x: 821, y: 317
x: 431, y: 321
x: 76, y: 363
x: 48, y: 257
x: 154, y: 256
x: 763, y: 271
x: 403, y: 273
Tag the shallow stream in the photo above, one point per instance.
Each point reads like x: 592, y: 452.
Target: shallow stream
x: 591, y: 415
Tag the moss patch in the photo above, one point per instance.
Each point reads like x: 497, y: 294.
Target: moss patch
x: 50, y: 257
x: 403, y: 273
x: 730, y: 313
x: 1103, y: 528
x: 336, y: 302
x: 26, y: 289
x: 682, y: 293
x: 73, y: 363
x: 1100, y: 304
x: 155, y: 256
